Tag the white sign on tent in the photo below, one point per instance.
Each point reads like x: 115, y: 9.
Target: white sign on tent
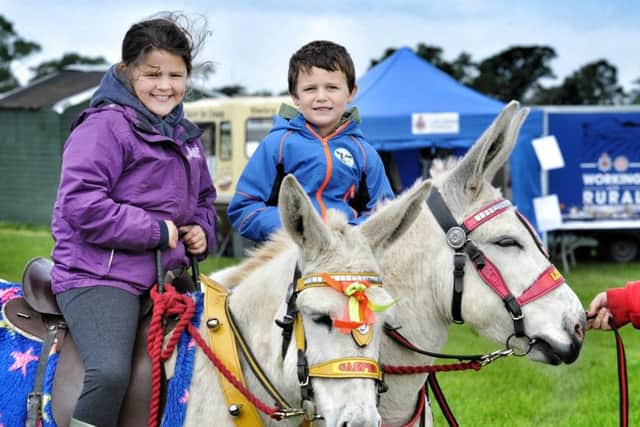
x: 428, y: 123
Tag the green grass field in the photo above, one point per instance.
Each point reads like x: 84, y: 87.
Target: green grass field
x: 518, y: 392
x: 19, y: 244
x: 511, y: 392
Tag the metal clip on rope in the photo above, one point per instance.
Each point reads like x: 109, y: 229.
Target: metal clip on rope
x: 287, y: 413
x: 488, y: 358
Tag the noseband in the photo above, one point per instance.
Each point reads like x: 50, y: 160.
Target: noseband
x: 292, y: 325
x: 457, y: 236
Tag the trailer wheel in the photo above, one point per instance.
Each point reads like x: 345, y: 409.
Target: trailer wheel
x: 623, y: 249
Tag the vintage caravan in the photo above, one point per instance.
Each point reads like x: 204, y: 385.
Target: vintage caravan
x: 233, y: 128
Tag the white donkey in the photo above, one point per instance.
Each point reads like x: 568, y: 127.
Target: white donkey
x: 503, y: 267
x: 334, y: 248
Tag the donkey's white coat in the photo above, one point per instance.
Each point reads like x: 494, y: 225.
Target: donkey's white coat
x: 259, y: 299
x: 418, y: 269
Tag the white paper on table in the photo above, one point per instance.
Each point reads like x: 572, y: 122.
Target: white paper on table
x: 548, y: 152
x: 547, y: 210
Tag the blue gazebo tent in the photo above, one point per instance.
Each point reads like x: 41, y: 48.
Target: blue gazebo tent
x: 390, y: 95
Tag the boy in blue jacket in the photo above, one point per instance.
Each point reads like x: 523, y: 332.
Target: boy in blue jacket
x: 320, y: 143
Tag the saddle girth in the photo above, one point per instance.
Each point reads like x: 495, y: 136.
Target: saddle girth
x: 223, y: 343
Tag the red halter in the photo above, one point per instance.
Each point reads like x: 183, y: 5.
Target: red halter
x: 457, y: 238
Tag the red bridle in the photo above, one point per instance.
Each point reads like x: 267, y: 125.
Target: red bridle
x: 457, y: 239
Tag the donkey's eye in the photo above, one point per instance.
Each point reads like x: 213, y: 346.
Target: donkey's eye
x: 508, y: 242
x: 323, y: 319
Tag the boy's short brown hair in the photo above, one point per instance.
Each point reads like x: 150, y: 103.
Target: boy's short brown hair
x: 321, y: 54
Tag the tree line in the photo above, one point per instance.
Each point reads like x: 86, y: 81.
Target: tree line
x: 517, y: 72
x: 13, y: 47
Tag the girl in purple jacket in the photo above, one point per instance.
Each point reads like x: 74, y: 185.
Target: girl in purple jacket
x: 134, y: 175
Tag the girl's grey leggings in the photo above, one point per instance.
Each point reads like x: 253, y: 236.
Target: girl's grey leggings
x: 103, y: 321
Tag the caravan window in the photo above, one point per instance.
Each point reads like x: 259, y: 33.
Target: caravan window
x: 257, y: 128
x: 226, y: 145
x: 208, y: 138
x: 209, y: 141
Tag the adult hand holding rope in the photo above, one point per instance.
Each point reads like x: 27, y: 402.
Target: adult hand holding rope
x: 609, y: 310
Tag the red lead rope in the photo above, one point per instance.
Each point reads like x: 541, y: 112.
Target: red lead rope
x: 621, y: 358
x: 172, y: 303
x: 622, y: 376
x: 422, y: 398
x: 168, y: 302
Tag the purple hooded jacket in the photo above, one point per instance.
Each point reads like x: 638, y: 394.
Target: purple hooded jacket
x: 120, y: 177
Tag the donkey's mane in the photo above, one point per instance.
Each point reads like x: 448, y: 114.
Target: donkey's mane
x: 278, y: 243
x: 441, y: 165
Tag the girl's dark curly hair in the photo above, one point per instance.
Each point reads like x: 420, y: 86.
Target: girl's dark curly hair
x: 168, y: 31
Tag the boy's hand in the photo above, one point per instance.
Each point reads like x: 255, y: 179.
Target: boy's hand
x: 194, y: 239
x: 173, y: 234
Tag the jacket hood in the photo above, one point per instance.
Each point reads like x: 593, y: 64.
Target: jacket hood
x: 112, y: 89
x: 289, y: 118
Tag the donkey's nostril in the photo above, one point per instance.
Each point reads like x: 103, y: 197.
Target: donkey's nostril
x: 579, y: 332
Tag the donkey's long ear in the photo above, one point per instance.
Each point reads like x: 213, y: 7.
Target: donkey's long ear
x: 298, y: 216
x: 394, y: 218
x: 490, y: 152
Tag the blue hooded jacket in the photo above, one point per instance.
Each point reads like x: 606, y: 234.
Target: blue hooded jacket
x: 330, y: 169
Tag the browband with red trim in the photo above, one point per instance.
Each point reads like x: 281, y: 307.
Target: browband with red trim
x: 485, y: 214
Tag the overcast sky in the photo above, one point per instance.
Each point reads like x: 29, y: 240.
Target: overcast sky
x: 251, y: 41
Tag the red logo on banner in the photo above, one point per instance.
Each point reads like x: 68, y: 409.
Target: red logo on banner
x: 621, y: 164
x: 604, y: 162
